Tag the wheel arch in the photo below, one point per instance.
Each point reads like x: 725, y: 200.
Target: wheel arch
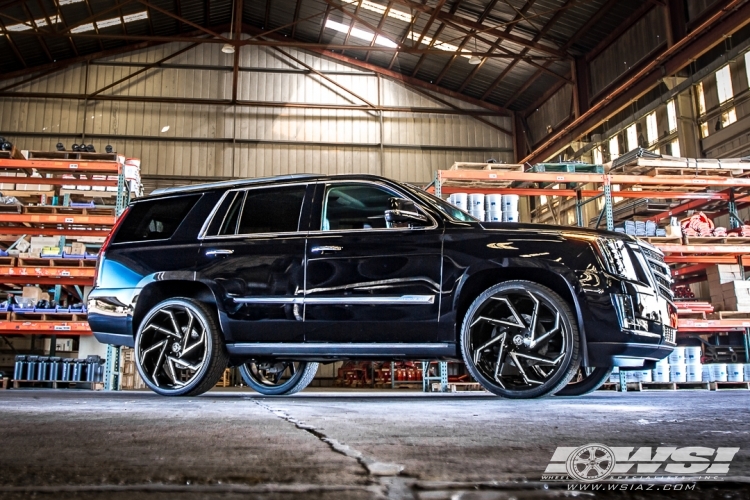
x: 157, y: 291
x: 480, y: 281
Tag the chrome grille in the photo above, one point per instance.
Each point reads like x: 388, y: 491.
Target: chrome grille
x: 660, y: 271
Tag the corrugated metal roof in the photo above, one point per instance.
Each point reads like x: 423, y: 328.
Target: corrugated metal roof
x: 523, y: 19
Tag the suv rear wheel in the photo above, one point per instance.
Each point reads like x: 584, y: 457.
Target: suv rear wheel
x: 178, y: 348
x: 586, y: 380
x: 276, y: 378
x: 520, y: 340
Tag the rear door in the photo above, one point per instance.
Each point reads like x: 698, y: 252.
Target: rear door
x: 366, y: 282
x: 254, y: 250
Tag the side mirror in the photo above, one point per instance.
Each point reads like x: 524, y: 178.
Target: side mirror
x: 403, y: 211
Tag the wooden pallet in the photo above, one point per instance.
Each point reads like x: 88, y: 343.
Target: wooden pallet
x: 733, y: 315
x: 4, y: 383
x: 666, y: 386
x: 716, y: 240
x: 459, y: 387
x: 73, y: 211
x: 662, y: 239
x: 54, y: 262
x: 718, y: 386
x: 512, y: 167
x: 71, y: 155
x: 13, y: 154
x: 59, y: 384
x: 53, y: 317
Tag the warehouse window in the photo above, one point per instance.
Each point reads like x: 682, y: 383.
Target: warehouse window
x: 747, y: 65
x: 728, y: 117
x: 652, y: 130
x: 724, y: 84
x: 155, y: 219
x: 701, y: 99
x: 704, y: 130
x: 614, y: 148
x: 632, y: 132
x: 598, y: 156
x: 673, y: 148
x: 671, y: 116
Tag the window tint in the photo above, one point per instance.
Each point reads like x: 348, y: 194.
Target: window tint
x: 356, y: 206
x: 272, y: 210
x: 221, y: 214
x: 232, y: 215
x: 154, y: 219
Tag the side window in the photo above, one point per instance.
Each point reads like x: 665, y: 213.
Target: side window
x: 272, y: 210
x: 356, y: 206
x: 222, y: 219
x: 155, y: 219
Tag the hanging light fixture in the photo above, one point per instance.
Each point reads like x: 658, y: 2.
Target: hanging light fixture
x: 475, y: 59
x: 228, y: 48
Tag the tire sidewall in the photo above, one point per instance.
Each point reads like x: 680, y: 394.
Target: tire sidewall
x: 589, y: 384
x: 491, y: 385
x: 286, y: 388
x: 198, y: 312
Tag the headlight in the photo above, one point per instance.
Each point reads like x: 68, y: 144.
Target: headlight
x: 616, y: 258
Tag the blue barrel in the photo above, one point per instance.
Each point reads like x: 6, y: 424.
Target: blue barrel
x: 54, y: 368
x: 67, y: 369
x: 78, y: 365
x: 31, y: 364
x: 41, y: 368
x: 20, y: 367
x: 92, y: 363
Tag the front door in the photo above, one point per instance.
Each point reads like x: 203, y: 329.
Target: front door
x: 367, y: 282
x: 253, y: 251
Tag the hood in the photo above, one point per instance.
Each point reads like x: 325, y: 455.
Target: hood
x: 550, y: 229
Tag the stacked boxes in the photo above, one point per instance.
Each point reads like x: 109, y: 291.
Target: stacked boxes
x: 721, y: 275
x: 736, y: 296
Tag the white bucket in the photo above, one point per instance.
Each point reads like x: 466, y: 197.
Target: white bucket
x: 735, y: 372
x: 644, y: 376
x: 479, y: 214
x: 461, y: 200
x: 660, y: 373
x: 476, y: 201
x: 631, y: 376
x: 678, y: 356
x: 663, y: 362
x: 693, y: 355
x: 706, y: 373
x: 677, y: 373
x: 510, y: 216
x: 510, y: 203
x: 493, y: 202
x: 718, y: 372
x: 494, y: 216
x: 614, y: 377
x: 694, y: 372
x: 747, y: 372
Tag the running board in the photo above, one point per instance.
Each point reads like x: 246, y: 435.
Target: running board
x: 345, y: 350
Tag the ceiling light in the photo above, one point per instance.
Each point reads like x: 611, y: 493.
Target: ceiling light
x: 475, y: 60
x: 228, y: 48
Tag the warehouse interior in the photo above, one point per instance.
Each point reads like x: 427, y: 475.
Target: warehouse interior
x: 628, y: 116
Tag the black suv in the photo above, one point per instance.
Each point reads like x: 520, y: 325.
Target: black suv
x: 276, y: 275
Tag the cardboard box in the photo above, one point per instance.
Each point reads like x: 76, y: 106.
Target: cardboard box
x: 674, y: 231
x: 78, y: 249
x: 32, y: 292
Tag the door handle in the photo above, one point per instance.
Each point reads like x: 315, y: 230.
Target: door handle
x: 325, y: 249
x: 211, y: 253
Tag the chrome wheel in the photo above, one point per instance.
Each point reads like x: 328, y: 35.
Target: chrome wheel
x: 175, y: 348
x: 274, y: 377
x: 520, y: 340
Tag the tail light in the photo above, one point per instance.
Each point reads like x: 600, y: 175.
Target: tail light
x: 107, y: 241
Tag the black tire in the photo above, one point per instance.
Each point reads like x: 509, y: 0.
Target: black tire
x: 586, y: 383
x: 255, y: 376
x: 209, y: 359
x: 520, y: 307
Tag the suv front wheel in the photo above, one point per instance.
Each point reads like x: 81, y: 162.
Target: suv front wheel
x: 276, y: 378
x: 520, y: 340
x: 178, y: 348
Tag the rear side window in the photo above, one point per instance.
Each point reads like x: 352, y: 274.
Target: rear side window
x: 155, y: 219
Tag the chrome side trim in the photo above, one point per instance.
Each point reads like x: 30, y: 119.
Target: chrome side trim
x: 334, y: 350
x: 376, y: 300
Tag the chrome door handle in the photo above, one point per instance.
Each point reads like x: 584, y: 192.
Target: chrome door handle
x: 219, y: 252
x: 326, y: 249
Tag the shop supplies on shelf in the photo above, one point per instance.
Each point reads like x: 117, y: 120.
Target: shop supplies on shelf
x: 697, y: 225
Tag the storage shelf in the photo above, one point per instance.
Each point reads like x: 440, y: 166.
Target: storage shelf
x: 81, y: 220
x: 77, y: 328
x: 67, y: 166
x: 685, y: 325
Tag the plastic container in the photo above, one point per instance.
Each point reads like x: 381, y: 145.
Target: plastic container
x: 479, y: 214
x: 493, y: 202
x: 718, y: 372
x: 663, y: 362
x: 735, y: 372
x: 694, y: 372
x: 510, y: 216
x: 693, y: 355
x: 614, y: 377
x: 644, y: 376
x: 476, y: 201
x: 493, y: 216
x: 20, y: 367
x: 54, y: 368
x: 67, y: 369
x: 510, y: 202
x: 746, y: 370
x: 706, y: 373
x: 41, y: 369
x: 678, y: 373
x: 461, y: 200
x: 660, y: 373
x: 678, y: 356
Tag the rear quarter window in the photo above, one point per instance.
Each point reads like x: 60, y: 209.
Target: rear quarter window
x: 155, y: 219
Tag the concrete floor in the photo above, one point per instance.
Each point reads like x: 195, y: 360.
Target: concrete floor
x: 343, y: 444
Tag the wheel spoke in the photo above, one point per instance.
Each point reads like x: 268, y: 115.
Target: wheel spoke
x: 185, y: 364
x: 513, y: 311
x: 552, y: 362
x: 160, y: 329
x: 495, y: 322
x: 159, y: 362
x: 153, y: 347
x: 479, y: 350
x: 177, y: 331
x: 526, y: 379
x: 534, y: 315
x: 547, y: 335
x: 500, y: 363
x: 188, y: 331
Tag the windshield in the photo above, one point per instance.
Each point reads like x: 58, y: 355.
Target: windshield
x: 442, y: 205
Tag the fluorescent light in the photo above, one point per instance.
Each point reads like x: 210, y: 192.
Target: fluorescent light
x: 439, y: 45
x: 111, y: 22
x: 27, y: 26
x: 361, y: 34
x: 380, y: 9
x: 68, y: 2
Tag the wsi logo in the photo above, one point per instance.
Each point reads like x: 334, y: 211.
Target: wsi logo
x: 597, y: 462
